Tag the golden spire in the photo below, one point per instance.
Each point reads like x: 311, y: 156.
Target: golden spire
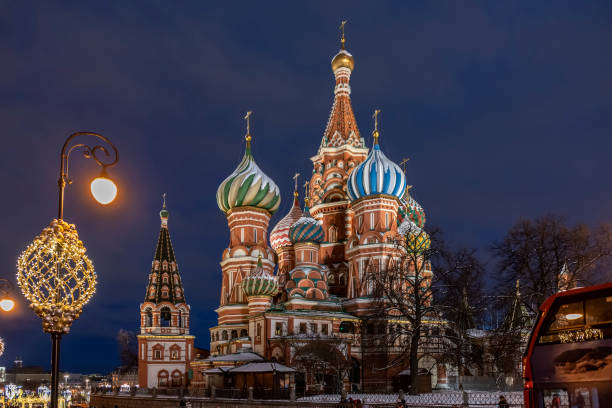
x: 306, y: 193
x: 342, y: 39
x: 295, y: 179
x: 247, y: 137
x: 375, y: 133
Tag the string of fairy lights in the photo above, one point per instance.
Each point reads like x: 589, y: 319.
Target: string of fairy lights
x: 56, y: 276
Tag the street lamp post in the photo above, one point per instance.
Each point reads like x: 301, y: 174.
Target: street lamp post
x: 53, y: 272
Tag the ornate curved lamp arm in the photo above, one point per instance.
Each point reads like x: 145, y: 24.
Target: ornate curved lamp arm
x: 88, y: 153
x: 6, y: 287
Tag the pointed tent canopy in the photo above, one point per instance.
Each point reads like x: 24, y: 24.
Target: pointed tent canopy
x: 164, y: 281
x: 518, y: 317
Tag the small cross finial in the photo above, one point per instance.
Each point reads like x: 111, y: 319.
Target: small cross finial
x: 375, y: 133
x: 295, y: 179
x: 404, y: 162
x: 342, y: 39
x: 164, y: 200
x: 247, y: 117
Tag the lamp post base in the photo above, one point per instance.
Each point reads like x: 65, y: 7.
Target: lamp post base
x: 55, y: 357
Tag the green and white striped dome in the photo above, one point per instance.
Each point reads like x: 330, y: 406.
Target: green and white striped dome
x: 259, y: 282
x: 248, y: 186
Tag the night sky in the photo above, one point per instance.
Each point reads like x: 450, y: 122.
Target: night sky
x: 503, y: 109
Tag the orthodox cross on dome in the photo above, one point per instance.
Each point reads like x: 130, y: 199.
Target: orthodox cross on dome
x: 306, y: 193
x: 342, y: 39
x: 295, y: 179
x: 375, y: 133
x: 404, y: 162
x: 164, y: 200
x: 247, y: 117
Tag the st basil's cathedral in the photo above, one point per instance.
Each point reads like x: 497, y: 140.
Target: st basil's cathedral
x: 303, y: 280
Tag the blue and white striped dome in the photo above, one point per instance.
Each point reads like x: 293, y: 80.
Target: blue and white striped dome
x: 376, y: 175
x: 306, y: 229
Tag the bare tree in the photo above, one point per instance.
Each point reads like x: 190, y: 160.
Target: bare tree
x: 402, y: 292
x: 458, y: 291
x: 320, y: 357
x: 535, y: 251
x: 128, y: 349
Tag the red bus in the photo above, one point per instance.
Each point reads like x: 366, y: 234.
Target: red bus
x: 568, y: 359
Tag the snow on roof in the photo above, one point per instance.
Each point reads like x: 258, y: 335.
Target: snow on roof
x: 266, y: 367
x: 244, y: 356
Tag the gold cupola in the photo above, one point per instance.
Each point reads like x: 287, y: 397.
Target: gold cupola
x: 343, y: 59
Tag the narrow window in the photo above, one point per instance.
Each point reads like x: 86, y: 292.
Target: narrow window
x: 313, y: 328
x: 371, y: 221
x: 241, y: 234
x: 324, y: 329
x: 387, y: 221
x: 255, y: 234
x: 303, y: 328
x: 279, y: 329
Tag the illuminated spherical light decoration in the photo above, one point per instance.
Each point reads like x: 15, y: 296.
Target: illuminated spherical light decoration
x: 7, y: 304
x: 1, y: 346
x: 56, y: 276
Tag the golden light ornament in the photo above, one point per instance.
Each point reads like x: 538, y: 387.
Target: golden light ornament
x: 103, y: 189
x: 56, y: 276
x: 7, y: 304
x: 2, y: 347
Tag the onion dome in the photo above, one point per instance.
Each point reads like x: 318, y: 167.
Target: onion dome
x: 413, y: 210
x: 343, y: 59
x: 248, y: 186
x: 417, y: 239
x: 376, y: 175
x: 279, y: 237
x: 259, y: 282
x: 306, y: 229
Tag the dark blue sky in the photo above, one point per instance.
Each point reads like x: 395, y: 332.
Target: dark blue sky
x: 504, y: 109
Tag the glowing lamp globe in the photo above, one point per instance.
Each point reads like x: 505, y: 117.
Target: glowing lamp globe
x: 56, y: 276
x: 103, y: 190
x: 7, y: 304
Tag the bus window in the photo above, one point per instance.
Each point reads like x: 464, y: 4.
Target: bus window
x: 555, y: 398
x: 599, y: 310
x: 568, y: 315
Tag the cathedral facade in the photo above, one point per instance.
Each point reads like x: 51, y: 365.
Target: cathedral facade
x: 305, y: 279
x: 302, y: 280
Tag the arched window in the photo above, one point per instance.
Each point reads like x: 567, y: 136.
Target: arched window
x: 148, y: 318
x: 332, y: 234
x: 244, y: 333
x: 162, y: 378
x: 165, y: 317
x: 224, y: 335
x: 175, y: 352
x: 234, y: 334
x: 165, y: 278
x: 177, y: 378
x: 180, y: 319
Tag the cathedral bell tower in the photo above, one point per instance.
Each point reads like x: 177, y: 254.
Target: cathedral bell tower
x: 341, y: 150
x: 248, y: 198
x: 165, y: 347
